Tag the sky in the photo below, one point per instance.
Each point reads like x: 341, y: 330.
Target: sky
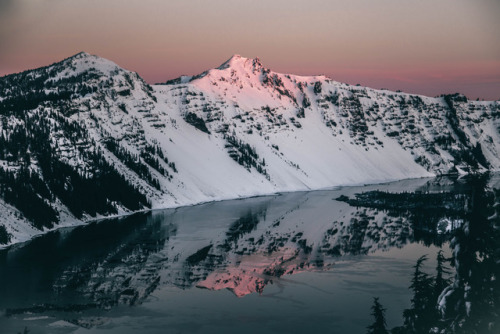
x: 428, y: 47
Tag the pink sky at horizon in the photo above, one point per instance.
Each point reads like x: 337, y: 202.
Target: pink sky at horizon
x: 423, y: 47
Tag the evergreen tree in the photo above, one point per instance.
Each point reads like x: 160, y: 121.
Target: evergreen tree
x: 421, y: 316
x: 378, y: 313
x: 472, y: 303
x: 440, y: 282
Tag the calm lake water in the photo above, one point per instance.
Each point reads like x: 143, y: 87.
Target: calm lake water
x: 305, y: 262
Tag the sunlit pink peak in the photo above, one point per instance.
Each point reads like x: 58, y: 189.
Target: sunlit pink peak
x: 249, y: 66
x: 237, y: 61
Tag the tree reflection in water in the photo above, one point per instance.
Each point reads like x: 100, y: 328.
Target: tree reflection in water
x: 246, y: 245
x: 468, y: 301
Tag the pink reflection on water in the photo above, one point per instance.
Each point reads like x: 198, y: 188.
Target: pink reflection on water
x: 251, y: 273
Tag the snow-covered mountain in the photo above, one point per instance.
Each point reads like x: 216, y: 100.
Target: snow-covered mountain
x: 84, y: 138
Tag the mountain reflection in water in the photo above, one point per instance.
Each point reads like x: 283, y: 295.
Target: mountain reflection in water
x: 245, y: 245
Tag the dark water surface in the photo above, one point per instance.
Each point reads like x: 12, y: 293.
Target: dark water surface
x: 306, y: 262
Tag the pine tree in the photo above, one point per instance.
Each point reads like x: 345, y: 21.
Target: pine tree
x: 378, y: 313
x: 440, y: 283
x: 421, y: 316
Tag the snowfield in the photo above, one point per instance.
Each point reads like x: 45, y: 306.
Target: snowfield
x: 235, y: 131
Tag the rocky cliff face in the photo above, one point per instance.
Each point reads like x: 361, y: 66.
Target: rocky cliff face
x: 84, y: 138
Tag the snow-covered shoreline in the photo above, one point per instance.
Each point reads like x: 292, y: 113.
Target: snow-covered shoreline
x: 74, y: 223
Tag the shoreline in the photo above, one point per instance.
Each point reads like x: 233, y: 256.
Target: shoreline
x: 80, y: 223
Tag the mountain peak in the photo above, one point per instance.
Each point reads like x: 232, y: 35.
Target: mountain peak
x: 77, y: 64
x: 83, y: 61
x: 237, y: 61
x: 81, y: 54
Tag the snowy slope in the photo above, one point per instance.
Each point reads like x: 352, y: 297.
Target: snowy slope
x: 87, y: 139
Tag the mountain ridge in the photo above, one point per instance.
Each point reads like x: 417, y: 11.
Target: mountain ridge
x: 85, y: 138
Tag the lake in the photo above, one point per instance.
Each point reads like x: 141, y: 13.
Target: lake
x: 304, y: 262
